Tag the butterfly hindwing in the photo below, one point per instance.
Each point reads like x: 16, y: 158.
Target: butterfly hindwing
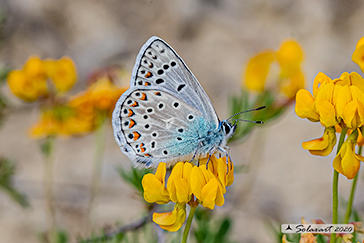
x: 155, y: 126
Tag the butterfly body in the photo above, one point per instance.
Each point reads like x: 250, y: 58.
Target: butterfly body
x: 165, y: 115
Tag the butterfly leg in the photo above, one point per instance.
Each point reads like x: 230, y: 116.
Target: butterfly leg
x: 226, y: 151
x: 207, y: 163
x: 194, y: 155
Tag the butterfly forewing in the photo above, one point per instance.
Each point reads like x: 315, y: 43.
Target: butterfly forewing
x: 158, y: 66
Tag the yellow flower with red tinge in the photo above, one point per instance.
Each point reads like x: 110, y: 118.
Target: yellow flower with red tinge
x: 187, y: 184
x: 337, y: 104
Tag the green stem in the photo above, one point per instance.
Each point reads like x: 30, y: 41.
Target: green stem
x: 188, y: 224
x: 351, y: 198
x: 96, y: 171
x: 335, y: 188
x: 47, y: 149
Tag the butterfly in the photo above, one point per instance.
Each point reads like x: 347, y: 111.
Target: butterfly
x: 165, y: 115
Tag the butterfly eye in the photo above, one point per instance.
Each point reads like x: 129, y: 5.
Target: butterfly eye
x: 226, y: 127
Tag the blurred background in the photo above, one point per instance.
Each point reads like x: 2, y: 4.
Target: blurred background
x: 216, y: 39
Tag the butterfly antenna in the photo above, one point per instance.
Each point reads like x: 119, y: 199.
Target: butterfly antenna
x: 241, y: 112
x: 256, y: 122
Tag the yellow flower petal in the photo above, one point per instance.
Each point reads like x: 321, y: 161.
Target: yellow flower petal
x: 257, y: 71
x: 327, y: 113
x: 178, y: 183
x: 305, y: 105
x: 320, y: 79
x: 62, y: 72
x: 358, y: 54
x: 206, y: 187
x: 343, y: 98
x: 294, y: 82
x: 357, y: 80
x: 322, y: 146
x: 290, y: 54
x: 208, y: 194
x: 171, y: 221
x: 346, y: 161
x: 154, y: 186
x: 354, y: 114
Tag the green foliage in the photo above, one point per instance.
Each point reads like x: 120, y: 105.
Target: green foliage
x: 104, y: 238
x: 246, y: 101
x: 134, y: 177
x: 7, y: 170
x: 210, y: 231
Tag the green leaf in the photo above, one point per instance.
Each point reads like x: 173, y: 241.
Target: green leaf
x: 7, y: 171
x: 133, y: 177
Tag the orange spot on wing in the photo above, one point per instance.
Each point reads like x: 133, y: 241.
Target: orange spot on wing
x: 157, y: 93
x: 146, y: 83
x: 148, y: 75
x: 144, y: 96
x: 136, y: 136
x: 130, y: 113
x: 142, y: 149
x: 134, y: 104
x: 147, y: 155
x: 131, y: 123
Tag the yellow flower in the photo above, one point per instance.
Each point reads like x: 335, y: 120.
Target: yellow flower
x: 257, y: 70
x: 305, y: 106
x: 35, y: 68
x: 178, y: 183
x: 104, y: 94
x: 171, y: 221
x: 350, y: 79
x: 350, y: 106
x: 324, y: 145
x: 25, y: 88
x: 289, y: 57
x: 30, y: 83
x: 291, y: 84
x: 155, y: 186
x: 347, y: 162
x: 223, y: 171
x: 62, y: 73
x: 206, y: 187
x: 358, y: 54
x: 59, y: 120
x: 320, y: 80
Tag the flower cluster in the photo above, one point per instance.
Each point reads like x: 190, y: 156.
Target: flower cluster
x: 83, y: 113
x: 31, y: 82
x: 187, y: 184
x: 290, y: 78
x: 44, y: 80
x: 338, y: 104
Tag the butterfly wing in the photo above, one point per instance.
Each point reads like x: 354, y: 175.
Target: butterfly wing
x: 158, y: 66
x: 153, y: 126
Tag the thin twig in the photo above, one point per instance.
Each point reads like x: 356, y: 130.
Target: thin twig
x: 123, y: 229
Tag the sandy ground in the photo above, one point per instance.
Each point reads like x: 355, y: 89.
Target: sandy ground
x: 215, y: 38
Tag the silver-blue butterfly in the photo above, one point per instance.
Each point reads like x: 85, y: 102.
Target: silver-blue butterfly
x: 165, y: 115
